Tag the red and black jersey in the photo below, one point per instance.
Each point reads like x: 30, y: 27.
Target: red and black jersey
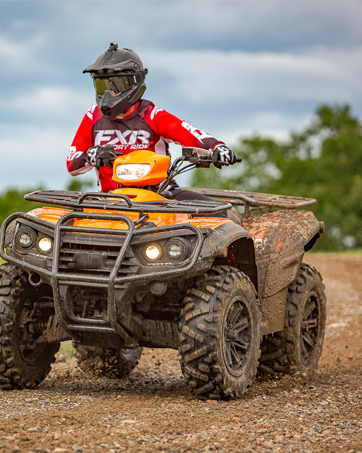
x: 146, y: 128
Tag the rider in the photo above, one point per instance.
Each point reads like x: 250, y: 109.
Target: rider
x: 127, y: 122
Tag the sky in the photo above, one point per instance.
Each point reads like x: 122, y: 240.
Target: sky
x: 231, y: 68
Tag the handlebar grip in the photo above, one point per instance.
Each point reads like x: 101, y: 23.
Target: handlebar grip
x: 238, y: 159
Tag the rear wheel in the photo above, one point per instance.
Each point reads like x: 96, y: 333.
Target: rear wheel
x: 220, y: 334
x: 299, y: 346
x: 107, y: 362
x: 25, y: 360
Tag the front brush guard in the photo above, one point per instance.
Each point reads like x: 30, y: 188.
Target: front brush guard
x: 117, y: 287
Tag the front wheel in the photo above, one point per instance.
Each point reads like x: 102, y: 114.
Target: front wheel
x: 299, y: 346
x: 25, y: 356
x: 220, y: 334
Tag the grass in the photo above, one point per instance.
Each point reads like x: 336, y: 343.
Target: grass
x: 66, y: 351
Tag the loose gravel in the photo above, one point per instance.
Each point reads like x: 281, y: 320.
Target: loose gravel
x: 72, y: 411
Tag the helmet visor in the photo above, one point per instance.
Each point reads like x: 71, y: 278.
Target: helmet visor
x: 115, y: 84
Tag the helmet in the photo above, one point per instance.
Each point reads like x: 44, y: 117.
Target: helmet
x: 118, y: 78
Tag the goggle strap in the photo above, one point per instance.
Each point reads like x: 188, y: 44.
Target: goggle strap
x: 140, y: 76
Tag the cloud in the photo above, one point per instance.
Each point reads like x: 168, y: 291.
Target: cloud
x: 48, y: 104
x: 34, y: 156
x: 254, y: 26
x: 214, y: 76
x: 272, y: 124
x: 18, y: 56
x: 225, y: 25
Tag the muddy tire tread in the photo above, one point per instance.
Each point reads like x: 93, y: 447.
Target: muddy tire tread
x: 12, y: 280
x: 279, y: 349
x: 198, y: 343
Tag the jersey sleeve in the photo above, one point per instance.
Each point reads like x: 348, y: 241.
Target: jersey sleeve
x: 76, y: 160
x: 172, y: 129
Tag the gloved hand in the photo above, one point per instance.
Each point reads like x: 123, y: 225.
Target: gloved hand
x: 223, y: 154
x: 100, y: 156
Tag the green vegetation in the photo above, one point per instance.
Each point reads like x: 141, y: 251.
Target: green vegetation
x: 66, y: 352
x: 324, y: 161
x: 13, y: 199
x: 79, y: 185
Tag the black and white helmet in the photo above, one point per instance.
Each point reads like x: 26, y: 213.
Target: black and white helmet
x: 119, y: 80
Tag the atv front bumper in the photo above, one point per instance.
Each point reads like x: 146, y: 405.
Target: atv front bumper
x: 101, y: 258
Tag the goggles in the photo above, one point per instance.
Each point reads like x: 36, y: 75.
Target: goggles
x: 117, y: 84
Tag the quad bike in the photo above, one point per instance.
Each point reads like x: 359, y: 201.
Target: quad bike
x: 115, y: 272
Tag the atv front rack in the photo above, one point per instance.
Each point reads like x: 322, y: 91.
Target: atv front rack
x: 119, y: 202
x: 257, y: 200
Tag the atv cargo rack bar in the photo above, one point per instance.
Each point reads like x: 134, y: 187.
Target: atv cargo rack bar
x: 257, y: 200
x: 119, y: 202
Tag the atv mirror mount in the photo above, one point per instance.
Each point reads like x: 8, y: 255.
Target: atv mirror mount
x: 198, y: 156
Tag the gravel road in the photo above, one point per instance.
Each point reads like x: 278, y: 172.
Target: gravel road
x: 152, y: 410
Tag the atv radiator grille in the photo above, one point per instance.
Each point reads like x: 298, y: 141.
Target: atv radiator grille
x: 95, y: 259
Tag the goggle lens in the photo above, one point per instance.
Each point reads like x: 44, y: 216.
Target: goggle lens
x: 116, y: 84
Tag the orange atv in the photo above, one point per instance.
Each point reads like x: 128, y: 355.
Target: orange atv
x: 115, y: 272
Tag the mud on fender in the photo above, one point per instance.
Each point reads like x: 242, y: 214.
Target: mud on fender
x: 231, y: 244
x: 218, y: 241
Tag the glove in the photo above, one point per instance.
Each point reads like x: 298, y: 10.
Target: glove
x: 100, y: 156
x: 222, y: 154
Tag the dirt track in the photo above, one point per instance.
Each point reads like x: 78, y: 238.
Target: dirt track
x: 153, y: 410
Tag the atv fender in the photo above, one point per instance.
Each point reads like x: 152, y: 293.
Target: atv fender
x: 230, y: 244
x: 280, y: 239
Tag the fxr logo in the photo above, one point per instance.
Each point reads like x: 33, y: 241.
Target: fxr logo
x: 114, y: 137
x: 73, y: 153
x: 198, y: 133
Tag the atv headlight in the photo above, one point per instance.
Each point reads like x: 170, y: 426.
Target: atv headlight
x: 152, y: 252
x: 45, y: 245
x: 131, y: 172
x: 178, y: 248
x: 25, y: 238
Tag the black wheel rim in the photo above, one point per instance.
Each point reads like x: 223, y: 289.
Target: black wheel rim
x: 310, y: 328
x: 237, y: 336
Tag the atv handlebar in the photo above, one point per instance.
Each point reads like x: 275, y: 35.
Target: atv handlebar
x: 203, y: 158
x: 197, y: 156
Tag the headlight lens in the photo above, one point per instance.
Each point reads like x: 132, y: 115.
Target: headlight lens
x: 45, y: 245
x: 25, y: 238
x: 175, y: 250
x: 132, y: 172
x: 178, y: 248
x: 153, y: 252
